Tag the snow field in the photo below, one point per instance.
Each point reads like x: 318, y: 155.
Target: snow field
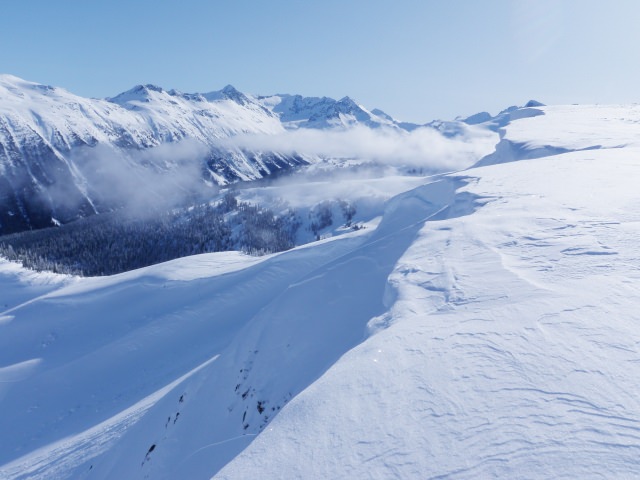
x: 508, y: 353
x: 486, y: 328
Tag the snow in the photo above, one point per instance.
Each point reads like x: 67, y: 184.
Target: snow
x: 485, y: 326
x: 47, y: 132
x: 549, y: 130
x: 296, y: 111
x: 509, y: 350
x: 20, y: 285
x: 572, y: 127
x: 73, y: 451
x: 157, y: 144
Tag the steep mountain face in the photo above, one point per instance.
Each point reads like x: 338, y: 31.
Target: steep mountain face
x: 58, y: 150
x: 62, y: 156
x: 296, y: 111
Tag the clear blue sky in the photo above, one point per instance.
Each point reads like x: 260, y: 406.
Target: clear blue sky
x: 415, y: 59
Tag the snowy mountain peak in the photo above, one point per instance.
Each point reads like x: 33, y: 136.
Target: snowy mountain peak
x: 296, y: 111
x: 348, y: 102
x: 152, y: 88
x: 7, y: 77
x: 148, y: 92
x: 139, y: 93
x: 228, y: 93
x: 8, y: 80
x: 12, y: 87
x: 533, y: 103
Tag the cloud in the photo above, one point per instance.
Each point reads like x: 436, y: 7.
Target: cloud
x: 424, y: 147
x: 142, y: 181
x: 170, y: 175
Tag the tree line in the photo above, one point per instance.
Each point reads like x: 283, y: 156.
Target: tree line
x: 112, y: 243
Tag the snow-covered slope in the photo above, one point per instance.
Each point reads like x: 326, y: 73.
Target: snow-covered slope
x: 61, y: 155
x: 296, y: 111
x: 538, y: 131
x: 486, y: 328
x: 508, y: 348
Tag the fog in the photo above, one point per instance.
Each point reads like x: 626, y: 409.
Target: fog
x: 143, y: 181
x: 424, y: 147
x: 385, y: 163
x: 169, y: 175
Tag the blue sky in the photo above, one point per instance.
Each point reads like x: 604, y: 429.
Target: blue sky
x: 417, y: 60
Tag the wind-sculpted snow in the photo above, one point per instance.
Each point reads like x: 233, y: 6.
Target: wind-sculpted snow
x: 540, y: 131
x: 486, y: 328
x: 509, y: 351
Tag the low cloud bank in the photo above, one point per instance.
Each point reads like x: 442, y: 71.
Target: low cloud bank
x: 172, y: 174
x: 424, y: 147
x: 144, y: 181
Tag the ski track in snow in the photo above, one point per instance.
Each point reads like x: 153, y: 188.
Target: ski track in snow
x: 60, y: 458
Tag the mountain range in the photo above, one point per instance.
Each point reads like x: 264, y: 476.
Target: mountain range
x: 477, y: 323
x: 61, y: 155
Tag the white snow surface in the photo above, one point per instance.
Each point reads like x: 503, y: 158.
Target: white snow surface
x: 549, y: 130
x: 148, y: 113
x: 33, y: 115
x: 509, y: 349
x: 486, y: 328
x: 572, y: 127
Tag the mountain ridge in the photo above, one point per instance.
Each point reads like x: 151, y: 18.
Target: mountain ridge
x: 65, y: 157
x: 48, y: 140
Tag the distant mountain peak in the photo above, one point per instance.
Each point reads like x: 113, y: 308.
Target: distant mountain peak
x: 12, y: 83
x: 348, y: 101
x: 534, y: 103
x: 151, y: 87
x: 138, y: 93
x: 229, y: 92
x: 296, y: 111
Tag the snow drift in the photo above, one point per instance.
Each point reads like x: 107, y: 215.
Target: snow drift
x: 486, y: 328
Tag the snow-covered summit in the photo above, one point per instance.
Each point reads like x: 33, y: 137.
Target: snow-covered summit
x: 139, y: 93
x: 229, y: 93
x: 296, y: 111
